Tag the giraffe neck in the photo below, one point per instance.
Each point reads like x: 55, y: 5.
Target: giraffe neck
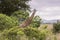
x: 28, y: 20
x: 32, y: 15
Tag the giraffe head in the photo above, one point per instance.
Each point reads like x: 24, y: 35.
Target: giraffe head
x: 34, y: 10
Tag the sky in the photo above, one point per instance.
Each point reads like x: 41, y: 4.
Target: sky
x: 46, y: 9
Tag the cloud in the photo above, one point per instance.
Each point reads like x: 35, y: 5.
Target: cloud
x: 45, y: 3
x: 47, y: 9
x: 49, y: 13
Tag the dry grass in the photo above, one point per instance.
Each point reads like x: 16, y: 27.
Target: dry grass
x: 50, y: 27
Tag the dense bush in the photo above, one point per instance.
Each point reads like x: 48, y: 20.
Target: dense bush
x: 28, y: 33
x: 35, y: 34
x: 36, y: 22
x: 12, y: 32
x: 20, y: 15
x: 56, y: 27
x: 7, y: 22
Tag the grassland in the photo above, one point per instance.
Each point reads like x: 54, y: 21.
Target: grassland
x: 50, y: 27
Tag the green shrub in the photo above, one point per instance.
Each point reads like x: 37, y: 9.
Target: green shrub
x: 28, y: 33
x: 6, y: 22
x: 36, y: 22
x: 20, y: 15
x: 35, y: 34
x: 56, y: 27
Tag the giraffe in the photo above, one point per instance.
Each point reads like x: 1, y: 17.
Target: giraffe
x: 28, y: 20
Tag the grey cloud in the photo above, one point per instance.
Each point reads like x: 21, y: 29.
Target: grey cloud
x: 45, y: 3
x: 47, y: 8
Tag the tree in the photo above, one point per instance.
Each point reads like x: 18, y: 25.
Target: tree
x: 56, y: 27
x: 9, y: 6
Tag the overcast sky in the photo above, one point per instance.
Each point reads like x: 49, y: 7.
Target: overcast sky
x: 47, y: 9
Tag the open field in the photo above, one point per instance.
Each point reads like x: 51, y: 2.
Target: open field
x: 50, y: 27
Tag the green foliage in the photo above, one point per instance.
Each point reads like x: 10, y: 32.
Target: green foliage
x: 36, y: 22
x: 56, y: 27
x: 12, y: 32
x: 35, y: 34
x: 6, y: 22
x: 20, y: 15
x: 28, y: 33
x: 9, y: 6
